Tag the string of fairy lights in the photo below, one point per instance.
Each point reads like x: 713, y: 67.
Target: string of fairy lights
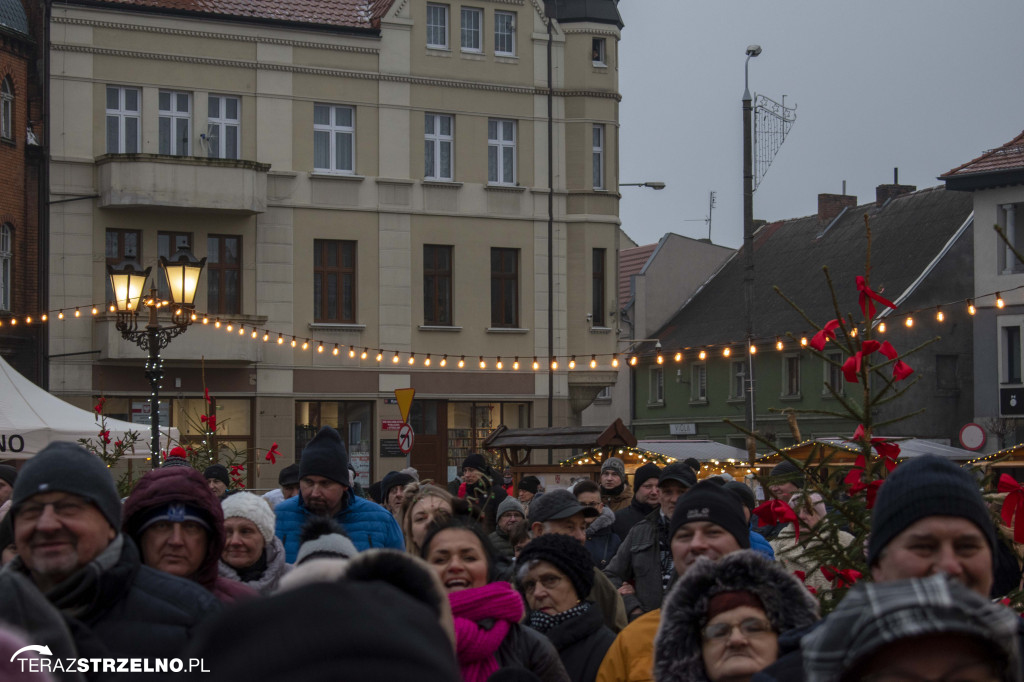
x: 937, y: 314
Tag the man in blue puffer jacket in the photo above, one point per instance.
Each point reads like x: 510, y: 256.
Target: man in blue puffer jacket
x: 324, y: 491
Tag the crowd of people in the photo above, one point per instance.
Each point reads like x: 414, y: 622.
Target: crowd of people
x: 663, y: 577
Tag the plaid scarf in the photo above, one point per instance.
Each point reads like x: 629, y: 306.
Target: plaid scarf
x: 542, y: 622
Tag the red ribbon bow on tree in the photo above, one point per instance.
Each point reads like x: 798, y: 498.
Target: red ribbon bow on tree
x: 272, y: 453
x: 210, y: 420
x: 776, y: 511
x: 1013, y: 506
x: 885, y: 448
x: 803, y: 578
x: 851, y: 368
x: 236, y: 474
x: 98, y: 407
x: 900, y: 370
x: 206, y: 394
x: 821, y: 338
x: 866, y: 297
x: 855, y: 479
x: 841, y: 578
x: 105, y: 437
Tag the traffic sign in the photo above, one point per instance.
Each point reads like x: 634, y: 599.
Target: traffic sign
x: 404, y: 397
x: 405, y: 438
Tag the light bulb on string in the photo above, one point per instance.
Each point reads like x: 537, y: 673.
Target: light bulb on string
x: 444, y: 360
x: 660, y: 359
x: 633, y: 361
x: 909, y: 321
x: 206, y: 320
x: 426, y: 360
x: 726, y: 352
x: 753, y: 349
x: 241, y: 330
x: 334, y: 351
x: 254, y: 333
x: 971, y: 310
x: 412, y: 358
x: 615, y: 360
x: 483, y: 365
x: 305, y: 345
x: 803, y: 341
x: 853, y: 333
x: 1000, y: 303
x: 536, y: 365
x: 679, y: 356
x: 572, y: 362
x: 44, y: 318
x: 499, y: 364
x: 96, y: 311
x: 216, y: 323
x: 778, y: 343
x: 939, y: 316
x: 593, y: 361
x: 881, y: 327
x: 266, y: 337
x: 60, y: 315
x: 394, y: 358
x: 280, y: 339
x: 78, y: 313
x: 380, y: 356
x: 293, y: 342
x: 554, y: 363
x: 319, y: 347
x: 352, y: 352
x: 462, y: 361
x: 515, y: 363
x: 362, y: 356
x: 230, y: 327
x: 702, y: 355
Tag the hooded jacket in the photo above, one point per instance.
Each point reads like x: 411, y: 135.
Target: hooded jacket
x: 602, y: 542
x: 182, y: 484
x: 677, y: 648
x: 275, y: 570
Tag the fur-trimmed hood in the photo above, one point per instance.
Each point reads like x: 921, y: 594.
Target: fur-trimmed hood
x: 605, y: 520
x: 677, y: 648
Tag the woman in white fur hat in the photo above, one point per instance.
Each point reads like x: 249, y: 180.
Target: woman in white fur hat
x: 252, y: 553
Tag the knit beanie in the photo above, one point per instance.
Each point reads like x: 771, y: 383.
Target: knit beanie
x: 743, y: 492
x: 393, y: 480
x: 175, y: 512
x: 616, y: 465
x: 176, y: 457
x: 564, y: 553
x: 289, y: 475
x: 787, y: 472
x: 475, y: 461
x: 218, y: 472
x: 693, y: 464
x: 69, y: 468
x: 925, y: 486
x: 510, y: 504
x: 8, y: 474
x: 644, y: 474
x: 325, y: 456
x: 709, y: 502
x: 530, y: 484
x: 254, y: 508
x: 323, y: 537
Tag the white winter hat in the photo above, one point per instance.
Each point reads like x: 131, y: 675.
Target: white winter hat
x: 253, y: 508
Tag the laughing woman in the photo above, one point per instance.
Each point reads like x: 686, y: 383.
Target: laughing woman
x: 486, y: 611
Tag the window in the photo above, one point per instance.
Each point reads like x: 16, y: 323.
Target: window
x: 598, y: 157
x: 123, y: 127
x: 222, y: 127
x: 175, y: 122
x: 598, y: 46
x: 6, y: 255
x: 501, y: 151
x: 657, y: 387
x: 504, y: 287
x: 597, y: 289
x: 791, y: 376
x: 1011, y: 355
x: 334, y: 281
x: 121, y: 246
x: 437, y: 147
x: 333, y: 139
x: 946, y: 373
x: 224, y: 274
x: 505, y: 33
x: 738, y: 372
x: 833, y: 373
x: 437, y: 284
x: 698, y: 383
x: 437, y: 26
x: 472, y: 29
x: 7, y: 109
x: 604, y: 395
x: 167, y: 244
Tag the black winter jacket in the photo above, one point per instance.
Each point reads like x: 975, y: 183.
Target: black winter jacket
x: 626, y: 518
x: 526, y: 648
x: 582, y: 642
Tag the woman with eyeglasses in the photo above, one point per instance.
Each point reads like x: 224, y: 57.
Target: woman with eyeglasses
x: 722, y: 621
x: 555, y: 572
x: 487, y: 611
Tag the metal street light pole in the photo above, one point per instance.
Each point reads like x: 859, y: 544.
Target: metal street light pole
x: 650, y: 185
x: 748, y: 229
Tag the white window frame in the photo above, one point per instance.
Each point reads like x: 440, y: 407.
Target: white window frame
x: 172, y: 116
x: 503, y: 21
x: 219, y: 128
x: 435, y: 11
x: 790, y: 360
x: 598, y: 155
x: 656, y: 388
x: 497, y: 144
x: 604, y: 395
x: 601, y: 58
x: 334, y: 130
x: 122, y: 114
x: 1010, y: 322
x: 737, y: 379
x: 437, y: 140
x: 833, y: 375
x: 478, y: 30
x: 6, y: 264
x: 698, y: 382
x: 7, y: 109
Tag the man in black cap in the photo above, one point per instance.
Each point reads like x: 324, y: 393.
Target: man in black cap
x: 324, y: 490
x: 78, y: 584
x: 645, y: 499
x: 287, y: 486
x: 559, y: 512
x: 642, y: 568
x: 8, y: 475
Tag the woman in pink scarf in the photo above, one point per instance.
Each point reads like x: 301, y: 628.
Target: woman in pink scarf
x: 486, y: 611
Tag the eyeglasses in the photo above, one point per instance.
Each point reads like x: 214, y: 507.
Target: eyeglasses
x: 549, y: 582
x: 970, y: 672
x: 749, y: 627
x: 67, y: 508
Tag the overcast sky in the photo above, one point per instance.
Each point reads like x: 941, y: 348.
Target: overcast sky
x: 922, y: 85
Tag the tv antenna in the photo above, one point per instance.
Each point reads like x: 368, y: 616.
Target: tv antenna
x: 707, y: 219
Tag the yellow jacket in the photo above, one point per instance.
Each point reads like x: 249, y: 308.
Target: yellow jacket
x: 631, y: 656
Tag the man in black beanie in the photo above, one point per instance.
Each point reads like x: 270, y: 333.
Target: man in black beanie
x: 645, y: 499
x: 216, y: 476
x: 324, y: 490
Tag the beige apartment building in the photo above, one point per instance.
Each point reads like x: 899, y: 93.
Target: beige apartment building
x: 362, y: 175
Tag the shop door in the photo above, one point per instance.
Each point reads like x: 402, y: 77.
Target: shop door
x: 429, y: 455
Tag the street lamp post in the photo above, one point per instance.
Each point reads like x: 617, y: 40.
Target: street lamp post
x: 128, y: 281
x: 650, y: 185
x: 748, y: 230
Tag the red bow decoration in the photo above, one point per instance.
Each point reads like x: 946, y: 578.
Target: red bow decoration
x: 206, y: 394
x: 867, y: 295
x: 853, y: 364
x: 99, y: 405
x: 118, y: 443
x: 105, y: 437
x: 272, y: 453
x: 803, y: 578
x: 885, y: 448
x: 900, y: 370
x: 855, y: 479
x: 210, y: 420
x: 776, y: 511
x: 844, y: 578
x: 236, y: 474
x: 1013, y: 506
x: 821, y: 338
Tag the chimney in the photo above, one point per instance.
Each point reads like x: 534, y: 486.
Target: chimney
x: 831, y: 205
x: 884, y: 193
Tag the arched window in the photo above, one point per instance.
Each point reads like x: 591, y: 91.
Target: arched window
x: 7, y: 109
x: 6, y: 249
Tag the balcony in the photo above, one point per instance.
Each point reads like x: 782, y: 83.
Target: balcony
x: 188, y: 182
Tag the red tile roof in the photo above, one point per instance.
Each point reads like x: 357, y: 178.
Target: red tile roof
x: 631, y: 262
x: 1006, y: 158
x: 362, y: 14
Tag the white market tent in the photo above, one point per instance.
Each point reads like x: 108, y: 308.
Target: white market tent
x: 31, y: 418
x: 700, y: 450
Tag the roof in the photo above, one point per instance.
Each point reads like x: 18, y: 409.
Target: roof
x: 559, y: 437
x: 700, y: 450
x: 631, y: 262
x: 12, y: 16
x: 355, y: 14
x: 908, y: 233
x: 1001, y: 166
x: 597, y: 11
x: 909, y: 448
